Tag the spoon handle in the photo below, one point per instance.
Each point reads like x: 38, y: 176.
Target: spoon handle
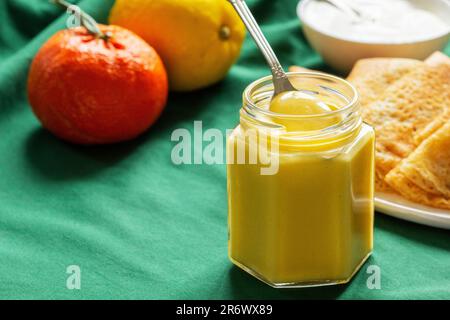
x: 281, y: 82
x: 345, y: 7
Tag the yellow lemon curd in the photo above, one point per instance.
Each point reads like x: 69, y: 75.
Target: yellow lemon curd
x: 311, y: 222
x: 300, y: 103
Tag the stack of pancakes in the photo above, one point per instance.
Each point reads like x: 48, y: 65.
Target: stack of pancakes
x: 407, y: 102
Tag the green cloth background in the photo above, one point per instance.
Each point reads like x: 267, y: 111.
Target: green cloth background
x: 139, y: 226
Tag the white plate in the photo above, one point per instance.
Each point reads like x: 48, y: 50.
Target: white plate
x: 396, y: 206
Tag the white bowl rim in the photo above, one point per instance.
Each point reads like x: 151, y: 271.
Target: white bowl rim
x: 301, y: 13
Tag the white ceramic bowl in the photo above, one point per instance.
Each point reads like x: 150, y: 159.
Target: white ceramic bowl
x: 341, y: 53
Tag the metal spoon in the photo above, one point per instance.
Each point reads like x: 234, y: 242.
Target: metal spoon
x: 281, y: 82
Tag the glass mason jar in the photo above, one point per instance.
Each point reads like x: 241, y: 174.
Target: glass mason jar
x: 300, y: 187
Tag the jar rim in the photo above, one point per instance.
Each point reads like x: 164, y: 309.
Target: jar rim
x: 352, y: 102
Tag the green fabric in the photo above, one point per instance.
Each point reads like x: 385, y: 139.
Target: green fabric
x: 137, y: 225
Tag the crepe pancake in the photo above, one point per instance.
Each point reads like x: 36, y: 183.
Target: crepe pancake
x: 432, y: 127
x: 404, y: 110
x: 436, y: 59
x: 424, y: 176
x: 372, y: 76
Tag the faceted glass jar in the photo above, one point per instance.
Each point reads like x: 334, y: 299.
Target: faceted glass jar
x: 300, y: 194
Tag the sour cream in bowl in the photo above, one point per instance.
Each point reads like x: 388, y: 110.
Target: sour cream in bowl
x: 388, y: 28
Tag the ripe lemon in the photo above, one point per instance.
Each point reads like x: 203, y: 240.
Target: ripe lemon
x: 198, y: 40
